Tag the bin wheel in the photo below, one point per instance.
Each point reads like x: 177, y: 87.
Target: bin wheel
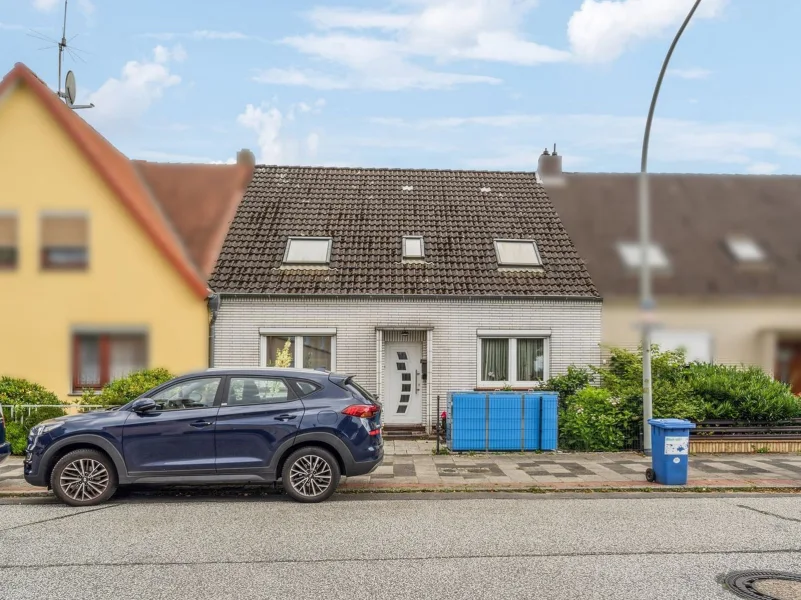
x: 650, y: 475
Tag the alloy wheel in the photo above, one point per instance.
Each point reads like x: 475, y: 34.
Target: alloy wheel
x: 310, y: 475
x: 84, y: 479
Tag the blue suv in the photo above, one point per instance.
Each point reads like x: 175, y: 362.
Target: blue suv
x: 304, y: 427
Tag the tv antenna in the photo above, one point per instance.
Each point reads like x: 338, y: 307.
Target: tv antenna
x: 70, y: 88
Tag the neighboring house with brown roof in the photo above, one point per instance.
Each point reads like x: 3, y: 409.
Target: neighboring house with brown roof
x: 103, y: 262
x: 726, y: 256
x: 416, y: 282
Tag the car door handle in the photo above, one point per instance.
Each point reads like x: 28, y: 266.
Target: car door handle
x: 200, y: 424
x: 285, y: 417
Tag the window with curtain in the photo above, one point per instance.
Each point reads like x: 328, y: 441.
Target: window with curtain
x: 99, y: 358
x: 516, y: 361
x: 302, y: 351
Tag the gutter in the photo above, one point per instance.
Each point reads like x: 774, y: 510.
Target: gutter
x: 214, y: 308
x: 429, y: 297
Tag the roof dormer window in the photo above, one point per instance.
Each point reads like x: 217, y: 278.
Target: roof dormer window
x: 413, y: 247
x: 314, y: 251
x: 517, y: 253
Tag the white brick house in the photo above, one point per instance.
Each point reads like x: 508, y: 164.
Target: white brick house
x: 417, y: 283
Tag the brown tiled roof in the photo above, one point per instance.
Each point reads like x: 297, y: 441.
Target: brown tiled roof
x: 200, y: 200
x: 367, y: 211
x: 692, y: 217
x: 118, y: 173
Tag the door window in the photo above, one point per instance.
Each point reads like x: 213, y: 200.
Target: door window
x: 194, y: 393
x: 245, y: 391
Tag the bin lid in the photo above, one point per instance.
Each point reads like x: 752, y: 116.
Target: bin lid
x: 671, y: 423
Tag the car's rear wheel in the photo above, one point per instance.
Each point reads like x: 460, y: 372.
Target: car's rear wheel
x: 310, y: 475
x: 84, y: 478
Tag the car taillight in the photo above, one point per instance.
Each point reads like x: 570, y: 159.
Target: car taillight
x: 362, y: 411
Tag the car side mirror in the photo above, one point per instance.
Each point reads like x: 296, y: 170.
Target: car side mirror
x: 143, y: 405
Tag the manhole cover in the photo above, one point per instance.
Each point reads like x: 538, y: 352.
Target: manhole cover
x: 766, y: 585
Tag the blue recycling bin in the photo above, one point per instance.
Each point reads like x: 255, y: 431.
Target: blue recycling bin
x: 670, y: 443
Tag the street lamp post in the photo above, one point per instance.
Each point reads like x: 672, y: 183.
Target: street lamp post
x: 646, y: 295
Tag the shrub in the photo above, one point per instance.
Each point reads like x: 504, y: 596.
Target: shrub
x: 123, y: 390
x: 591, y: 421
x: 741, y: 394
x: 568, y: 384
x: 17, y: 393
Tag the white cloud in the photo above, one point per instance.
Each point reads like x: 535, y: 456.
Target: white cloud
x: 140, y: 84
x: 11, y: 27
x: 762, y: 168
x: 345, y: 18
x: 46, y: 5
x: 313, y: 143
x: 200, y: 35
x: 429, y: 30
x: 692, y: 73
x: 601, y: 30
x: 677, y: 143
x: 267, y: 122
x: 86, y: 7
x: 312, y: 79
x: 369, y: 64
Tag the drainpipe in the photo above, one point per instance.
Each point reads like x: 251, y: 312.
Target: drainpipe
x: 214, y: 307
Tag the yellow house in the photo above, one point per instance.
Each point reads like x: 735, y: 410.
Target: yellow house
x: 99, y: 276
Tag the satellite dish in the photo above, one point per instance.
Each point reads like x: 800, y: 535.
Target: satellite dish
x: 70, y: 90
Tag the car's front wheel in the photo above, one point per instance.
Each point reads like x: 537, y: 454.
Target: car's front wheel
x: 84, y: 478
x: 310, y: 475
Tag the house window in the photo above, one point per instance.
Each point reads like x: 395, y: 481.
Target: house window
x: 697, y: 345
x: 307, y: 251
x: 745, y: 250
x: 311, y: 349
x: 413, y: 247
x: 517, y: 253
x: 99, y: 358
x: 65, y: 242
x: 631, y: 255
x: 519, y: 359
x: 8, y: 240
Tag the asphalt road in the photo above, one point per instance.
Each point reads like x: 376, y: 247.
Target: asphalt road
x: 449, y: 547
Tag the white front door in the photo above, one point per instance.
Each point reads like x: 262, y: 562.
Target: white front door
x: 403, y: 383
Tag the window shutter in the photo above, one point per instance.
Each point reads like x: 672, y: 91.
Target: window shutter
x: 65, y: 232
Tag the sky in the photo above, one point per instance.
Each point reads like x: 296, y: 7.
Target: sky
x: 448, y: 84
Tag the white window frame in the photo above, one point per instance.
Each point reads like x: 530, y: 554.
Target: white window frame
x: 513, y: 335
x: 656, y: 256
x: 298, y: 333
x: 324, y: 262
x: 422, y: 254
x: 527, y: 265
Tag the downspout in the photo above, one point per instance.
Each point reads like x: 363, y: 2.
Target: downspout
x: 214, y: 307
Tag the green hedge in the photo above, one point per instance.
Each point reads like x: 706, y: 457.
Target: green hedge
x: 123, y: 390
x: 18, y: 392
x: 697, y: 392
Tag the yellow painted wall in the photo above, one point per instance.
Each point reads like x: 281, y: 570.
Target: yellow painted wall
x: 743, y: 331
x: 129, y: 283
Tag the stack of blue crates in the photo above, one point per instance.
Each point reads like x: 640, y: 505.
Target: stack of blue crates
x: 502, y: 421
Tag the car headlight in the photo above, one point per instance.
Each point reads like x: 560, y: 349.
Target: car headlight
x: 42, y: 428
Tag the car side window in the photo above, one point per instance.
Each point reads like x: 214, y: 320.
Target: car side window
x: 194, y: 393
x: 304, y: 388
x: 245, y: 391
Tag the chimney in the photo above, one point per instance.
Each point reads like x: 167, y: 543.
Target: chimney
x: 246, y: 158
x: 549, y: 168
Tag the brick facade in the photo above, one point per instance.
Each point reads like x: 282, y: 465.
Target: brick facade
x: 446, y: 328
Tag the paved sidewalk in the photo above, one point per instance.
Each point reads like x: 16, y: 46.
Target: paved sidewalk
x: 410, y: 465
